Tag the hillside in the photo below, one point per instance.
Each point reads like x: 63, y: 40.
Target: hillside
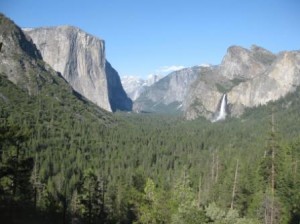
x: 81, y: 59
x: 162, y: 148
x: 65, y: 160
x: 22, y: 65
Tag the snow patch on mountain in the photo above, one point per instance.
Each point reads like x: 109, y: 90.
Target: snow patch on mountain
x: 134, y: 86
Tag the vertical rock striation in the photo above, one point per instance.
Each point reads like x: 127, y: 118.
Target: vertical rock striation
x: 249, y: 77
x: 20, y: 61
x: 80, y: 58
x: 168, y: 94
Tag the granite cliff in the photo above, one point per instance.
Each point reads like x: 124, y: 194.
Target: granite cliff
x: 21, y: 62
x: 167, y: 94
x: 80, y: 58
x: 249, y: 77
x: 26, y: 79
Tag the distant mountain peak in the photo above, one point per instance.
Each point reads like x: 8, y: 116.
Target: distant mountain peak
x: 134, y: 86
x: 168, y: 93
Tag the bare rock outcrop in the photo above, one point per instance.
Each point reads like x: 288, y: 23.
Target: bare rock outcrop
x: 80, y: 58
x: 249, y: 77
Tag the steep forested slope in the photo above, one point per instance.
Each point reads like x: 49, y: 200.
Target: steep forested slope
x: 146, y: 167
x: 64, y: 160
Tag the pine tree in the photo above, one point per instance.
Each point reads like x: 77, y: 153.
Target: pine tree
x: 270, y: 167
x: 15, y: 171
x: 91, y: 198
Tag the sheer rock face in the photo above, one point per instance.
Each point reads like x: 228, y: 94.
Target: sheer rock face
x: 282, y: 77
x: 203, y: 96
x: 80, y: 58
x: 117, y: 96
x: 169, y: 93
x: 241, y: 63
x: 249, y: 77
x: 20, y: 61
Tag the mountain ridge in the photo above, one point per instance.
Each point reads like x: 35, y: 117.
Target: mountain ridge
x: 80, y: 58
x: 134, y: 86
x: 22, y: 66
x: 167, y: 94
x: 249, y: 77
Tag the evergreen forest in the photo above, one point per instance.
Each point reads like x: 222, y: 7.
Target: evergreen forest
x: 67, y: 161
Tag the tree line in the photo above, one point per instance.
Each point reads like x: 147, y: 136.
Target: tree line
x: 63, y: 162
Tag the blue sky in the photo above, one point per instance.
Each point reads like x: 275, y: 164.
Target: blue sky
x: 147, y: 36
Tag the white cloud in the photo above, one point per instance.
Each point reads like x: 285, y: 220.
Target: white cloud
x: 129, y: 76
x: 205, y: 65
x: 155, y: 75
x: 163, y: 71
x: 168, y: 69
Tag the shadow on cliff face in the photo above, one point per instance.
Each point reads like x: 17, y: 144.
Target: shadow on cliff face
x: 118, y: 98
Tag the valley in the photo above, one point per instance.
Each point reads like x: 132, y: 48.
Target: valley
x: 65, y: 158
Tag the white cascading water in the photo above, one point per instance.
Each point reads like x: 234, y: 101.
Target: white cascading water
x: 222, y: 113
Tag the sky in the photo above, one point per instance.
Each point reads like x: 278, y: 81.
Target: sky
x: 143, y: 37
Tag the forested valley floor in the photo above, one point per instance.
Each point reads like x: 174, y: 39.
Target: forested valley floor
x: 70, y: 163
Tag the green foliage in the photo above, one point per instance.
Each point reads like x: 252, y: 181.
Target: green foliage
x: 153, y: 207
x: 77, y: 162
x: 226, y: 87
x: 217, y: 215
x: 185, y: 206
x: 222, y: 88
x: 15, y: 170
x: 91, y: 198
x: 214, y: 212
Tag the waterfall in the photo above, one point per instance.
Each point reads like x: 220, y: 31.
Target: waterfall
x: 222, y: 112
